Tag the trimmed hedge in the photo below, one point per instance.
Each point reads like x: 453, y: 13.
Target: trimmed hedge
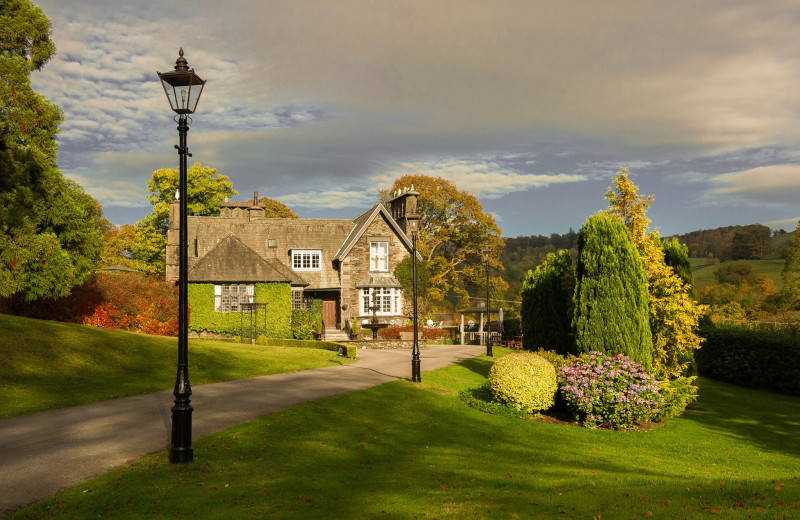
x: 350, y: 350
x: 751, y: 357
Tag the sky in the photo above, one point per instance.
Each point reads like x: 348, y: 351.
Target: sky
x: 531, y: 106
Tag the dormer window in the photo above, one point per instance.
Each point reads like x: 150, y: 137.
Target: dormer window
x: 306, y: 259
x: 379, y: 256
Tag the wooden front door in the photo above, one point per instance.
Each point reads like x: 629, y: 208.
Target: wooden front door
x: 329, y: 313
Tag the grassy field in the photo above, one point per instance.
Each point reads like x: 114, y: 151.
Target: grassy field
x: 405, y: 450
x: 704, y: 274
x: 46, y: 364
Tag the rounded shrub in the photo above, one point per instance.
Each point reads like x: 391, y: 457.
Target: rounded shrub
x: 523, y: 380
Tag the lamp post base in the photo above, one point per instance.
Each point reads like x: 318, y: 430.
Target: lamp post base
x: 415, y: 368
x: 181, y: 451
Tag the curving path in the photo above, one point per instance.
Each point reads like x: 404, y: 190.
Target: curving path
x: 43, y: 453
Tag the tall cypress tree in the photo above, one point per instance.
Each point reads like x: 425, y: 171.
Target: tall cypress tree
x: 611, y: 300
x: 546, y: 312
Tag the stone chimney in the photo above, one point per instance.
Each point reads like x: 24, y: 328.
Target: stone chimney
x: 404, y: 202
x: 255, y: 212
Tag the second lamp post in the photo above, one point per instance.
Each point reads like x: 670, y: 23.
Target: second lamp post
x: 486, y: 256
x: 413, y: 226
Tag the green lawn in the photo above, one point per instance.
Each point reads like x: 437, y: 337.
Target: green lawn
x: 405, y: 450
x: 704, y: 274
x: 47, y: 364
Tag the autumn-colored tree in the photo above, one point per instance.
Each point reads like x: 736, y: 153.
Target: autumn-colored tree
x: 48, y: 237
x: 454, y: 230
x: 546, y: 312
x: 207, y: 191
x: 610, y: 302
x: 275, y: 209
x: 673, y: 313
x: 119, y: 243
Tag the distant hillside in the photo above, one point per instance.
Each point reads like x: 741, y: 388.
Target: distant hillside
x: 752, y: 242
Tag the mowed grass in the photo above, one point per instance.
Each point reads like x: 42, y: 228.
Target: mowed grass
x: 405, y: 450
x: 46, y: 365
x: 704, y: 273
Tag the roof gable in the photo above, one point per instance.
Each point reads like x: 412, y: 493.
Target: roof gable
x: 363, y: 222
x: 232, y: 261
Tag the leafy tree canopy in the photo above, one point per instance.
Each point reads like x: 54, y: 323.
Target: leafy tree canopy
x: 454, y: 230
x: 49, y: 226
x: 207, y: 191
x: 673, y: 313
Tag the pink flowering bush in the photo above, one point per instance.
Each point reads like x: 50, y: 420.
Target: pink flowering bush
x: 608, y: 391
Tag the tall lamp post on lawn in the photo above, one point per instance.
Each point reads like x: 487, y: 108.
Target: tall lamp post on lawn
x: 486, y: 255
x: 413, y: 225
x: 183, y: 88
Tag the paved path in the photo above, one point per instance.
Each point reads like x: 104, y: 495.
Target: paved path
x: 43, y: 453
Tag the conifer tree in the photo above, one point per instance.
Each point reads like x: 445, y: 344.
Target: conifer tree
x: 673, y: 313
x: 546, y: 312
x: 790, y: 293
x: 611, y: 300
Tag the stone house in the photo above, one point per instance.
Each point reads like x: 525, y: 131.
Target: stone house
x: 348, y: 264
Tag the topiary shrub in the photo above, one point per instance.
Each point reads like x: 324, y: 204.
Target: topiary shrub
x: 262, y: 340
x: 524, y: 380
x: 608, y: 391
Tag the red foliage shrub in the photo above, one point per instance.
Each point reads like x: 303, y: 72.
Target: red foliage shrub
x: 393, y: 332
x: 125, y: 301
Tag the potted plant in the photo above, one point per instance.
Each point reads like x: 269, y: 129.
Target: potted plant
x: 354, y: 329
x: 318, y: 330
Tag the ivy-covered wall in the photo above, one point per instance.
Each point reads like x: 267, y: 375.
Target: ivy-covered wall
x: 277, y: 296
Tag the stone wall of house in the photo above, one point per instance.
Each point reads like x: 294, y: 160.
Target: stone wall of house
x: 356, y: 266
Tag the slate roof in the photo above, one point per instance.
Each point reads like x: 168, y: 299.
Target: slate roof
x: 233, y: 261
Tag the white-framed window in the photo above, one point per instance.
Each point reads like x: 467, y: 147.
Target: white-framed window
x: 379, y: 256
x: 297, y: 299
x: 306, y: 259
x: 388, y: 299
x: 228, y: 298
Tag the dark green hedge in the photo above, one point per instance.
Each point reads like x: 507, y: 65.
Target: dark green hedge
x: 751, y: 357
x: 350, y: 350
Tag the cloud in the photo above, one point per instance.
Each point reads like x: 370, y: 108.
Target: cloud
x: 482, y: 179
x: 777, y: 184
x: 330, y: 199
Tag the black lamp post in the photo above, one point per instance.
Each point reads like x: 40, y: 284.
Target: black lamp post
x: 183, y: 88
x: 413, y: 226
x: 486, y: 255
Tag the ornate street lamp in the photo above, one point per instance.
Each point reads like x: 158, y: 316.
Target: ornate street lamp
x: 486, y: 256
x: 413, y: 226
x: 183, y: 88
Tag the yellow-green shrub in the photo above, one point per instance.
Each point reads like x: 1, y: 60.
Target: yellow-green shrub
x: 523, y: 380
x: 553, y: 357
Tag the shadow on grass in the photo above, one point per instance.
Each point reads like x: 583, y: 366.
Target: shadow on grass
x: 404, y: 451
x: 479, y: 365
x: 764, y: 418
